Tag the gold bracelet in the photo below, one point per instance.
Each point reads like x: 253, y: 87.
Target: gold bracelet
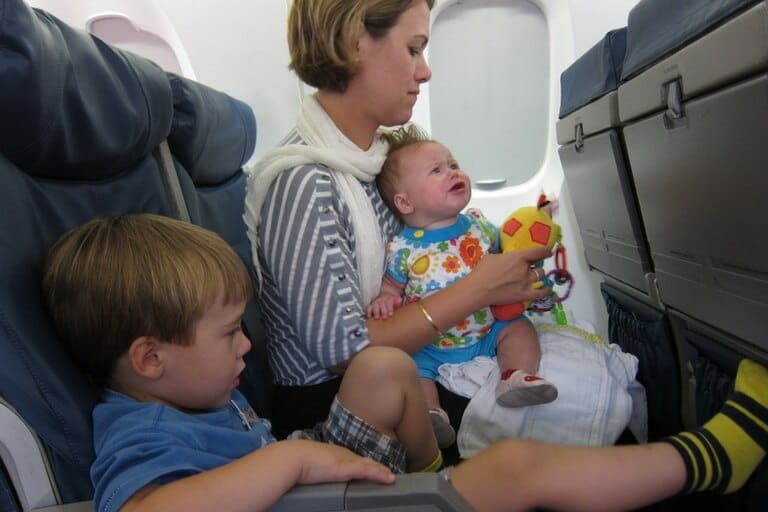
x: 429, y: 319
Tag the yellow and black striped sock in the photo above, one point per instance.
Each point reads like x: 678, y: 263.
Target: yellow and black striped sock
x: 436, y: 465
x: 722, y: 454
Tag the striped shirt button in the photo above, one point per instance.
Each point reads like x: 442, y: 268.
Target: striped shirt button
x: 342, y: 277
x: 332, y: 242
x: 357, y: 333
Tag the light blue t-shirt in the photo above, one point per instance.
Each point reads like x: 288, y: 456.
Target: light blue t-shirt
x: 142, y: 443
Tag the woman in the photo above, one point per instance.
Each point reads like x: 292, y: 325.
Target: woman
x: 317, y: 226
x: 319, y: 238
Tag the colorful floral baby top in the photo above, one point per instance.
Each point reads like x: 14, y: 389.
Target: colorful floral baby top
x: 427, y: 260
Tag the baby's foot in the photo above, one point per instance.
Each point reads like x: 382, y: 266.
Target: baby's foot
x: 517, y: 388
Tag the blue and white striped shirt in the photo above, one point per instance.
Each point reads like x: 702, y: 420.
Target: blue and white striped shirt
x: 313, y: 310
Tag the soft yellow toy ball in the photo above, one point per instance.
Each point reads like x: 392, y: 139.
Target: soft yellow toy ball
x: 529, y: 226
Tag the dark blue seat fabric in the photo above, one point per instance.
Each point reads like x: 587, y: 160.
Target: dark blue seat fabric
x: 79, y: 121
x: 656, y: 28
x: 212, y: 136
x: 594, y: 74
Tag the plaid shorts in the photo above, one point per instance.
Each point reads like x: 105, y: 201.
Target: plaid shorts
x: 345, y: 429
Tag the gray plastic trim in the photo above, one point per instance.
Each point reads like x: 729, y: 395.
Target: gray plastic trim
x: 701, y: 186
x: 595, y: 117
x: 25, y: 461
x: 610, y: 225
x: 732, y: 51
x: 80, y: 506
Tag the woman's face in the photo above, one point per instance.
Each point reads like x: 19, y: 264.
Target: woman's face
x: 392, y: 68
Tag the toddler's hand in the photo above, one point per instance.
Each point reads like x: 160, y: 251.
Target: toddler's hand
x: 330, y: 463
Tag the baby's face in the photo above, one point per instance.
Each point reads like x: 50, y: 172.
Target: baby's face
x: 433, y: 183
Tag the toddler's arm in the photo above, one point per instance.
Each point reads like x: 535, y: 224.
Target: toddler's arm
x: 258, y: 480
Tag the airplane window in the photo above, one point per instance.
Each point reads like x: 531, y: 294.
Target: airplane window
x: 490, y: 88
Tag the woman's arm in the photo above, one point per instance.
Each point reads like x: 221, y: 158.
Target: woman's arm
x: 497, y: 279
x: 308, y: 260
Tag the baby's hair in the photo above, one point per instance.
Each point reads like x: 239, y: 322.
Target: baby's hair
x: 113, y: 280
x: 398, y: 138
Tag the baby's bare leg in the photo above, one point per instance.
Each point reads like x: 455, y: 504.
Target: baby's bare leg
x: 518, y: 353
x: 518, y: 347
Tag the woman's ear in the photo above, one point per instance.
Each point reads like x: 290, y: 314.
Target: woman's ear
x: 403, y: 205
x: 146, y: 358
x: 361, y: 43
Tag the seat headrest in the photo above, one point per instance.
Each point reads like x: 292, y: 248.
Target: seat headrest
x: 72, y: 106
x: 212, y: 134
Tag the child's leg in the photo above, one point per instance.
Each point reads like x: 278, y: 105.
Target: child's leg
x: 518, y: 347
x: 518, y: 353
x: 518, y: 474
x: 381, y: 386
x: 441, y: 423
x: 721, y: 455
x: 739, y: 432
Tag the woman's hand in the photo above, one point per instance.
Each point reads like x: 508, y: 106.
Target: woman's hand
x: 509, y: 278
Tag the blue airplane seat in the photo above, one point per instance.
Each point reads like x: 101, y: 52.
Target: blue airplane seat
x: 595, y: 166
x: 594, y: 74
x: 656, y: 28
x: 693, y: 104
x: 78, y: 124
x: 693, y: 107
x: 212, y: 136
x: 80, y: 127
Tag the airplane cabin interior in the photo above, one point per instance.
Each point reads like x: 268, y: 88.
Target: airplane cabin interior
x: 654, y: 139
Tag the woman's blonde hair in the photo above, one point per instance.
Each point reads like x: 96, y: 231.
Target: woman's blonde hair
x: 322, y: 36
x: 113, y: 280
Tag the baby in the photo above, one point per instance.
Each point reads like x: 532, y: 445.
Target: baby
x: 425, y: 186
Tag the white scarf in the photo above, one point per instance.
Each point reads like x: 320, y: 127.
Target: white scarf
x: 349, y: 166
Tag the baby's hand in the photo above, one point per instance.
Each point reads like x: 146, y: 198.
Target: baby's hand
x: 384, y: 306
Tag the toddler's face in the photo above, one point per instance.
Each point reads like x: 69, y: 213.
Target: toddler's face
x: 202, y: 375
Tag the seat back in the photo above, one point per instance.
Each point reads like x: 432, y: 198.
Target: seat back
x: 595, y: 166
x: 80, y: 121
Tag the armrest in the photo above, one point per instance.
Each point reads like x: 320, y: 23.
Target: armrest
x: 80, y: 506
x: 414, y: 491
x: 424, y: 492
x: 25, y: 460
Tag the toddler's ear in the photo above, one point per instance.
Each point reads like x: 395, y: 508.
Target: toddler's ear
x: 145, y: 358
